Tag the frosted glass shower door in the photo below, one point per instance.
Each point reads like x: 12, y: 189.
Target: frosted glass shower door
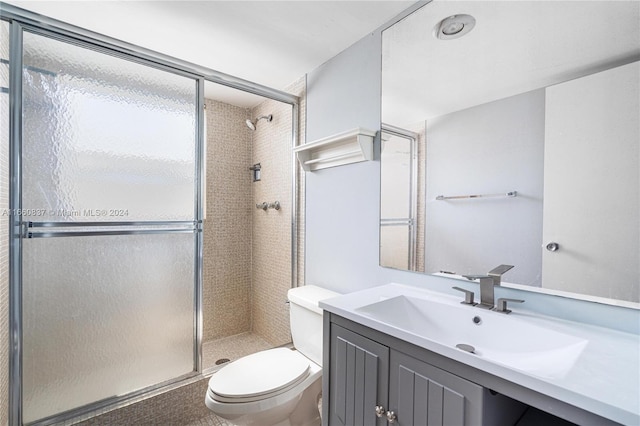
x: 398, y: 199
x: 109, y: 251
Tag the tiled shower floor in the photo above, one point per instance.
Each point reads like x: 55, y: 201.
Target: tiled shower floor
x: 232, y: 348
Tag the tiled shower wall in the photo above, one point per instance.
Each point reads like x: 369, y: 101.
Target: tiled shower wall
x: 299, y: 88
x: 420, y: 129
x: 247, y: 254
x: 227, y: 227
x: 271, y: 266
x: 4, y: 225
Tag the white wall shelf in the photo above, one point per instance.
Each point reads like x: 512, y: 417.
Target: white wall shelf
x: 344, y: 148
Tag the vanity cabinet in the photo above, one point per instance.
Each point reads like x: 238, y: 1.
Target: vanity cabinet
x: 421, y: 394
x: 359, y: 373
x: 364, y: 374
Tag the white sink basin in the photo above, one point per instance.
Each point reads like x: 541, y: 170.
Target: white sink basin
x: 499, y: 338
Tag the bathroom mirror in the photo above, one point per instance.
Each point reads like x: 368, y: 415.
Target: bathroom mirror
x: 511, y: 135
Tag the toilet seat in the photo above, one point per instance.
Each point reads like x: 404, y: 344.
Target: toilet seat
x: 259, y: 376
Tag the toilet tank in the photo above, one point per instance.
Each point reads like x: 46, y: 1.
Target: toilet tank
x: 305, y: 318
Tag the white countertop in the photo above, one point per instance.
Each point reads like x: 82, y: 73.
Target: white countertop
x: 604, y: 380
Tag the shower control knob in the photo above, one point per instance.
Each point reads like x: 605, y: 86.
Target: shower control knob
x: 275, y: 205
x: 553, y: 246
x: 391, y: 417
x: 379, y: 411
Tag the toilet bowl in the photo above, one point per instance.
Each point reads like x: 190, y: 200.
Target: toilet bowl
x: 266, y: 388
x: 279, y: 386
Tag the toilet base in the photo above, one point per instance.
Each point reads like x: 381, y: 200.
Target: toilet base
x: 306, y: 412
x: 299, y: 411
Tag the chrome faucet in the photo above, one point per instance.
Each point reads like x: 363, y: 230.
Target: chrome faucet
x: 487, y: 282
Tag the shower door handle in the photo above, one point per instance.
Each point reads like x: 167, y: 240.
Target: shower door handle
x: 54, y: 229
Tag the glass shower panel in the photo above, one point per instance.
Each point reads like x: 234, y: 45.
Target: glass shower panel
x: 104, y: 316
x: 395, y: 171
x: 105, y: 139
x: 108, y: 277
x: 4, y: 216
x: 397, y: 218
x: 394, y: 247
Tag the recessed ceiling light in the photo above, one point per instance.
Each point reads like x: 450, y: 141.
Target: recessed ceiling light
x: 454, y: 26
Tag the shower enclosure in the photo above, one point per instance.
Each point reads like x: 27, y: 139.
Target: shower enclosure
x: 247, y: 266
x: 399, y: 219
x: 105, y: 217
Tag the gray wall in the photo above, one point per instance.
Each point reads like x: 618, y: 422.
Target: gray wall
x: 342, y: 203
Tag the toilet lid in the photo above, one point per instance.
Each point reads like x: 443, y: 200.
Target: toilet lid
x: 259, y: 375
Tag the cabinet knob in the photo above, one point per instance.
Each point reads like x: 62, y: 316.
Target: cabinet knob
x: 391, y: 417
x: 379, y: 411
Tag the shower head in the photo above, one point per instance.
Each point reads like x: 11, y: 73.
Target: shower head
x: 252, y: 124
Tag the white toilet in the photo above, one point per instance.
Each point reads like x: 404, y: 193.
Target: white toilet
x: 278, y: 386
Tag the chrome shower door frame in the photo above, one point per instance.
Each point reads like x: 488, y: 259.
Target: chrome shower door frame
x: 20, y: 19
x: 20, y: 229
x: 410, y: 222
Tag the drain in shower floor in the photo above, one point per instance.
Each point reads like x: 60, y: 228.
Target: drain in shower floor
x: 222, y: 361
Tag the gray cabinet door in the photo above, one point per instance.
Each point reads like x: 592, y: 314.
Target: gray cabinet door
x: 421, y: 394
x: 358, y: 380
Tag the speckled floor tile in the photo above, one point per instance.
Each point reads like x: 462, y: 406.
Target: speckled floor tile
x: 211, y: 420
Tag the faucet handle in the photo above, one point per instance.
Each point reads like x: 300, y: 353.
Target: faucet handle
x: 468, y: 296
x: 475, y: 277
x: 501, y: 306
x: 499, y: 270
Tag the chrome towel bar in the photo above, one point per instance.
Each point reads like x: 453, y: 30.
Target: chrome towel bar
x: 510, y: 194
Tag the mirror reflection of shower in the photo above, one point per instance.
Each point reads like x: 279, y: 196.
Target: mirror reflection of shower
x: 252, y: 124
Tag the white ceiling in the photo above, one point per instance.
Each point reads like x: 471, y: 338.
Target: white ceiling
x: 515, y: 47
x: 273, y: 43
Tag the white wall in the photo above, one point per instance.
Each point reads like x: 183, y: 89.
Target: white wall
x: 593, y: 160
x: 342, y: 203
x: 487, y: 149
